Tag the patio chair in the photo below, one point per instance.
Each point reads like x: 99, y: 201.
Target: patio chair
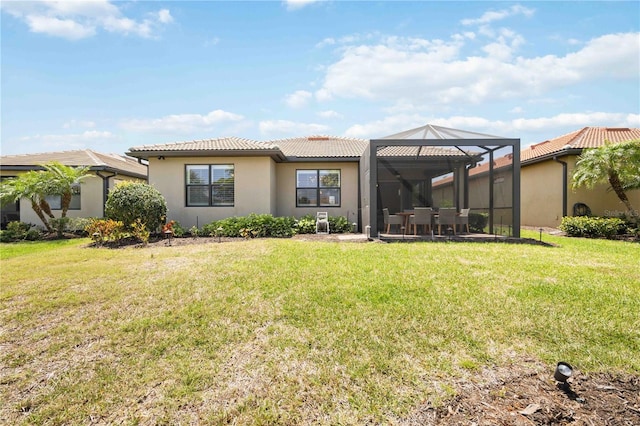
x: 420, y: 216
x: 391, y: 219
x: 446, y: 216
x: 463, y: 218
x: 322, y: 223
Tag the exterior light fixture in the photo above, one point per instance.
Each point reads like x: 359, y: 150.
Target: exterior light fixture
x: 168, y: 234
x: 563, y: 372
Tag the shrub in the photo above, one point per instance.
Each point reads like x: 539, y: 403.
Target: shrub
x: 140, y: 231
x: 78, y: 224
x: 33, y: 234
x: 337, y: 225
x: 18, y: 231
x: 478, y: 221
x: 132, y: 201
x: 306, y: 225
x: 178, y: 230
x: 60, y: 225
x: 592, y: 227
x: 101, y: 230
x: 254, y: 225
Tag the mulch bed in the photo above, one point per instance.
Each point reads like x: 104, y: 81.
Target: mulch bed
x: 527, y: 394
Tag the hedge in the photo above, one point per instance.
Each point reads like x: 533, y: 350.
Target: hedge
x: 593, y: 227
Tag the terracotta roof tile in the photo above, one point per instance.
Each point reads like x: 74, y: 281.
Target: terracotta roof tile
x: 587, y: 137
x: 220, y: 144
x: 76, y: 158
x: 321, y: 146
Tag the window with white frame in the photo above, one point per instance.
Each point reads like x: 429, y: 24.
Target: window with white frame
x: 318, y: 188
x: 210, y: 185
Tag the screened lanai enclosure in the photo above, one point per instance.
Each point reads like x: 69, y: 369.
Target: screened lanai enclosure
x: 439, y: 167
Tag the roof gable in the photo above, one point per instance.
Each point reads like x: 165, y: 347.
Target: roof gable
x: 321, y: 146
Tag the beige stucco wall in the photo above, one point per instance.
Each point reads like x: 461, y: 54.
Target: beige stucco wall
x: 286, y: 184
x: 91, y: 198
x: 542, y: 195
x: 253, y: 188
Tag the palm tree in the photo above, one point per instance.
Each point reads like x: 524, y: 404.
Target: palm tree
x: 615, y: 164
x: 56, y: 179
x: 31, y: 186
x: 60, y: 181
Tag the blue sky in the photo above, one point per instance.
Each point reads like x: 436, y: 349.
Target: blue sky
x: 111, y: 75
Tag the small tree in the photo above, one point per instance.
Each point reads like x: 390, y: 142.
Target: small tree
x: 136, y: 201
x: 615, y: 164
x: 56, y: 179
x: 32, y: 186
x: 60, y: 181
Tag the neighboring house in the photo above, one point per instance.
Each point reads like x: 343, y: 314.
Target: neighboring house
x: 546, y: 170
x: 208, y: 180
x: 213, y: 179
x: 91, y: 194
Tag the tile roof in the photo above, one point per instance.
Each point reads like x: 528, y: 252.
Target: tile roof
x: 220, y: 144
x: 321, y: 146
x: 587, y: 137
x: 84, y: 157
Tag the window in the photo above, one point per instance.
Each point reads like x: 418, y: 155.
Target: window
x: 55, y: 201
x: 318, y: 188
x: 210, y: 185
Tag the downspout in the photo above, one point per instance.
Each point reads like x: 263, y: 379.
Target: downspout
x: 564, y: 184
x: 105, y: 188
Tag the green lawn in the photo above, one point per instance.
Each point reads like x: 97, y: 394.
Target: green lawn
x: 289, y: 332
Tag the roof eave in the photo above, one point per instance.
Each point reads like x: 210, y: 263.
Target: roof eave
x: 294, y: 159
x: 552, y: 155
x: 275, y: 154
x: 36, y: 167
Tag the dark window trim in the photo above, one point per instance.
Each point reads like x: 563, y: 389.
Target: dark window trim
x: 209, y: 185
x: 59, y: 197
x: 318, y: 188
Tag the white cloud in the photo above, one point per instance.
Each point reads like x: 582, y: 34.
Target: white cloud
x: 577, y: 120
x: 72, y: 124
x: 298, y: 99
x: 182, y: 123
x: 432, y: 71
x: 65, y: 28
x: 330, y: 114
x: 281, y: 128
x: 498, y: 15
x: 298, y: 4
x: 558, y: 124
x: 164, y: 16
x: 516, y: 110
x: 214, y: 41
x: 71, y: 140
x: 74, y: 20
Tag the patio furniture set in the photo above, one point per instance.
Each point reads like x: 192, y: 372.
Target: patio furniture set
x: 428, y: 219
